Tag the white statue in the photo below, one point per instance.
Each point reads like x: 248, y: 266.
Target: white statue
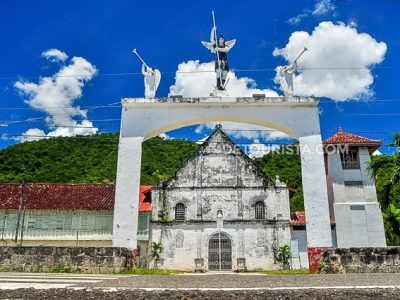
x: 152, y: 78
x: 221, y: 48
x: 286, y: 78
x: 286, y: 74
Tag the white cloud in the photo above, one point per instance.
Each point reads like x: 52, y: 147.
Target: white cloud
x: 297, y: 19
x: 55, y: 55
x: 201, y: 141
x: 256, y: 149
x: 331, y: 47
x: 201, y: 82
x: 32, y: 134
x: 323, y: 7
x: 376, y: 153
x: 165, y: 136
x: 55, y: 96
x: 247, y: 131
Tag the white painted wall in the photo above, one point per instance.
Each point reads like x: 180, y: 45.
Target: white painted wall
x: 357, y: 213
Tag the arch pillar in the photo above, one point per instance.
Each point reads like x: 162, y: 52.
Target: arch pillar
x: 127, y: 189
x: 315, y: 193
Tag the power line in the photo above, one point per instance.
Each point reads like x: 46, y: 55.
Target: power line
x: 200, y: 71
x: 111, y: 105
x: 118, y: 105
x: 37, y: 137
x: 194, y: 130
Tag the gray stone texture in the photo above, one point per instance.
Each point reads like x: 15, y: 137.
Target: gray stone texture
x: 361, y: 260
x: 92, y: 260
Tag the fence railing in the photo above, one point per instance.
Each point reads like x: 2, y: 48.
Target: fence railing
x: 353, y: 164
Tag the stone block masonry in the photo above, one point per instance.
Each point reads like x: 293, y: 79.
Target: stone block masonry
x: 361, y: 260
x: 90, y: 260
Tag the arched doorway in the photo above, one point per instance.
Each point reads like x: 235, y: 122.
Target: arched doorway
x: 219, y: 252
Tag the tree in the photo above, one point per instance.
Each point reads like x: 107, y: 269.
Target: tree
x: 385, y: 169
x: 284, y: 254
x: 386, y: 172
x: 156, y: 249
x: 391, y: 218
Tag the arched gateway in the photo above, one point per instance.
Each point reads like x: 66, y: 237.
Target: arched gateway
x: 296, y: 116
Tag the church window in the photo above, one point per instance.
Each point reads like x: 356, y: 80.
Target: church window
x: 260, y: 210
x: 180, y: 212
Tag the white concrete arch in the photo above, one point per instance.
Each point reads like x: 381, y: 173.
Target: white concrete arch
x: 142, y: 119
x: 222, y: 118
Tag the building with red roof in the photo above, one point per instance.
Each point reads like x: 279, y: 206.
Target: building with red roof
x: 64, y: 214
x: 351, y: 190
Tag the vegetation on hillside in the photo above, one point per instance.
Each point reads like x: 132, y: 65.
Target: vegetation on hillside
x: 88, y: 159
x: 286, y: 165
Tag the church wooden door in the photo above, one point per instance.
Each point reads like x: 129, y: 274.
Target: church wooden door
x: 219, y: 252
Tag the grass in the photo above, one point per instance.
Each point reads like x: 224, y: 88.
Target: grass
x: 285, y: 272
x: 147, y: 271
x: 62, y: 269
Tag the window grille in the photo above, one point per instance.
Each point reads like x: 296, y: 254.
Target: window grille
x: 180, y: 212
x: 260, y: 210
x: 350, y: 160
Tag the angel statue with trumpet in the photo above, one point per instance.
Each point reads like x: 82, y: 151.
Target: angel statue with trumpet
x: 286, y: 74
x: 152, y: 78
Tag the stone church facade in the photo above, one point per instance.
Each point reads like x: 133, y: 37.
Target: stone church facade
x: 220, y: 212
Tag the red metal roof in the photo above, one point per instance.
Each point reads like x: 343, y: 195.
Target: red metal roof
x: 298, y: 218
x: 342, y: 137
x: 60, y: 196
x: 145, y: 202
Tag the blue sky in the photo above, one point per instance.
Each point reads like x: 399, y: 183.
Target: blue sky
x: 168, y: 33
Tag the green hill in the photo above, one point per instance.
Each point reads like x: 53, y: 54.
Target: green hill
x: 88, y: 159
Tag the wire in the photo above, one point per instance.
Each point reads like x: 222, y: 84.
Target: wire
x: 118, y: 105
x: 116, y: 140
x: 199, y: 71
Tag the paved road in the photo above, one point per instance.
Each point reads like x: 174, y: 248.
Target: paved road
x: 192, y: 286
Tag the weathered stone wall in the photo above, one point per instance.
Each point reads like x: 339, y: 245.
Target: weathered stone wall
x: 254, y: 241
x: 361, y: 260
x: 93, y: 260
